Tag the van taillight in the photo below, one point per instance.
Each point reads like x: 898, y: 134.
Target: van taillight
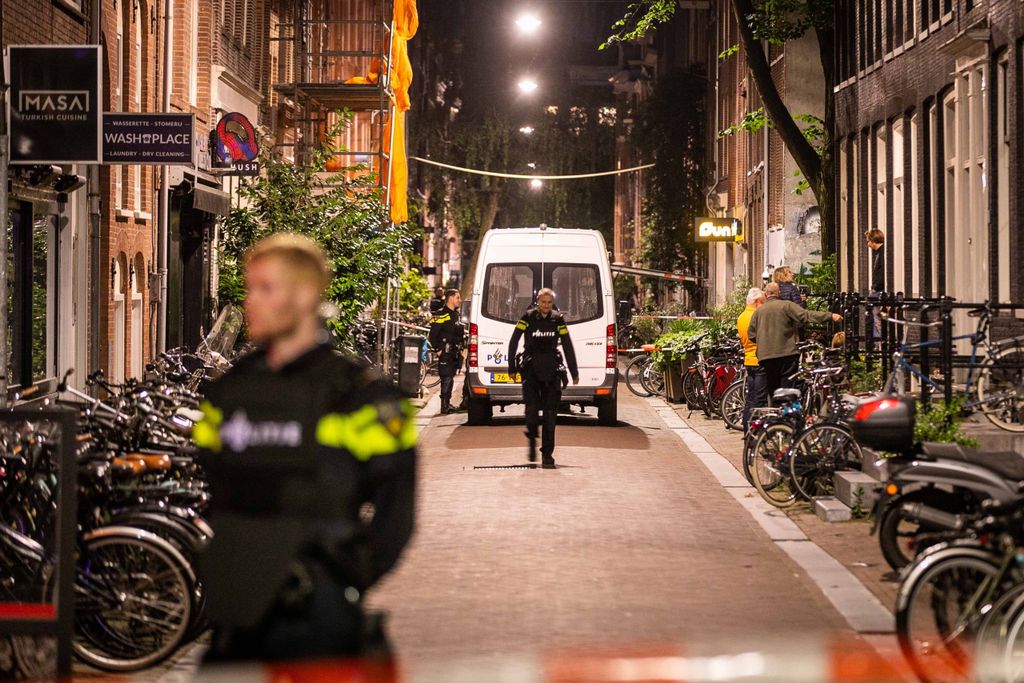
x: 610, y: 349
x: 473, y: 341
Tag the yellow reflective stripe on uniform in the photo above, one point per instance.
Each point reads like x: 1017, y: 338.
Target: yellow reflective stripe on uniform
x: 364, y: 435
x: 521, y: 325
x: 206, y: 432
x: 441, y: 319
x: 562, y: 329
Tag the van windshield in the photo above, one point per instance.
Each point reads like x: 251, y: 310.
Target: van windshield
x: 509, y: 290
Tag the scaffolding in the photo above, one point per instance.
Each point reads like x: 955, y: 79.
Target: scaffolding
x: 335, y: 55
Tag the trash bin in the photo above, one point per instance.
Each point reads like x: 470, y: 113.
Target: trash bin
x: 410, y: 364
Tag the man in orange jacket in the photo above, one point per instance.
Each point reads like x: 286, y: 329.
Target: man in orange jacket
x: 756, y: 394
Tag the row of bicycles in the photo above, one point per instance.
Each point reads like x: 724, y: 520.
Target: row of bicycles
x: 140, y: 525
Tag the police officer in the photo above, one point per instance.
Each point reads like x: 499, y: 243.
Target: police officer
x: 446, y: 334
x: 311, y: 467
x: 543, y: 328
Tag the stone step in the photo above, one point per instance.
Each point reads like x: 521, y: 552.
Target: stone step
x: 831, y: 509
x: 851, y: 485
x: 868, y: 458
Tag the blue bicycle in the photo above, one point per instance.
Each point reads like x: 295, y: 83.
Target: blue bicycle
x: 995, y: 371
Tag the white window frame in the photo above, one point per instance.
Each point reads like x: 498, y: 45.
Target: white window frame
x: 844, y: 223
x: 1002, y: 83
x: 879, y: 145
x: 855, y: 236
x: 193, y: 54
x: 897, y: 239
x: 916, y: 180
x: 117, y: 348
x: 137, y: 313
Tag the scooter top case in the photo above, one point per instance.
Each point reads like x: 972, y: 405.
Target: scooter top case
x: 885, y: 424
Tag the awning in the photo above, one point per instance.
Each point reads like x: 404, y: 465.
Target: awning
x: 211, y: 200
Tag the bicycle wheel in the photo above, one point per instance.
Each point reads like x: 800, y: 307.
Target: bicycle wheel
x: 134, y: 601
x: 939, y: 608
x: 731, y: 404
x: 692, y: 388
x: 632, y: 373
x: 1001, y: 388
x: 818, y: 454
x: 770, y: 466
x: 653, y: 380
x: 998, y: 654
x: 430, y: 377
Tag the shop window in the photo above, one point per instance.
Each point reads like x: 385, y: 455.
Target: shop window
x: 31, y: 296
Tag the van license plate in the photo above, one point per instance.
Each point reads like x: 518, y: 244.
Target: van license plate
x: 505, y: 378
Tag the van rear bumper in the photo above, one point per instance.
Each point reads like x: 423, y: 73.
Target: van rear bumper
x: 513, y: 393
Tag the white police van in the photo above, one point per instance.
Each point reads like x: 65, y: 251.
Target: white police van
x: 513, y: 265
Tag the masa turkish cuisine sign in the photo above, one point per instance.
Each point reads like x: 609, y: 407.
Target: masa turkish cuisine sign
x: 717, y: 229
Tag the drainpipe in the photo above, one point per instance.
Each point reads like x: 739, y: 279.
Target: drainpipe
x: 95, y: 227
x: 163, y: 229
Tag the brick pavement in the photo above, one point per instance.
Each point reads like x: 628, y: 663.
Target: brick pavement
x: 630, y: 541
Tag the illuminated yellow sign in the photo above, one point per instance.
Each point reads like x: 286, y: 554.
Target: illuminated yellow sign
x: 718, y: 229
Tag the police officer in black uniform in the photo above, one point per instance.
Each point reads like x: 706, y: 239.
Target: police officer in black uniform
x: 446, y: 335
x: 311, y: 464
x: 542, y: 371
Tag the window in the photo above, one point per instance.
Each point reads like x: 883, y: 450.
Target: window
x: 844, y: 217
x: 117, y: 294
x: 577, y: 290
x: 32, y: 295
x: 915, y: 181
x: 949, y: 145
x: 509, y: 290
x: 934, y: 180
x: 137, y: 272
x: 897, y: 247
x: 1002, y: 85
x: 855, y: 152
x: 139, y: 73
x: 881, y: 205
x: 121, y: 84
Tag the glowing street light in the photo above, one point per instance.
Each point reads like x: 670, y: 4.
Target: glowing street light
x: 527, y: 85
x: 526, y: 130
x: 528, y: 23
x: 536, y: 184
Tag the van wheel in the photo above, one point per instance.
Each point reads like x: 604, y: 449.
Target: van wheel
x: 608, y: 413
x: 479, y: 412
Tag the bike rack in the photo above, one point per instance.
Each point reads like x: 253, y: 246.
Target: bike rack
x: 56, y: 618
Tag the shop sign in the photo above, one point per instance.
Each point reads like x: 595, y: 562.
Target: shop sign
x: 237, y: 147
x: 718, y: 229
x: 54, y: 105
x: 130, y: 138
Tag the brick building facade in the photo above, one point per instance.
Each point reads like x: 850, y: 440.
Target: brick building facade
x: 928, y: 124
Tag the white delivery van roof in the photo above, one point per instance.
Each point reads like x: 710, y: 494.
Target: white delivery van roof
x: 511, y: 244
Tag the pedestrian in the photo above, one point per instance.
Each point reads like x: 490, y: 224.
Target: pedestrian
x: 876, y: 251
x: 775, y: 329
x: 543, y: 374
x: 788, y: 291
x: 295, y: 441
x: 446, y: 335
x: 437, y: 301
x: 755, y: 394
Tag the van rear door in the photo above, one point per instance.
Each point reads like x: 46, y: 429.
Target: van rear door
x: 578, y: 295
x: 508, y: 291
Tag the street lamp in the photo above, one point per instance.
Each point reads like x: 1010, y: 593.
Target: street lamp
x: 526, y: 130
x: 528, y: 23
x: 536, y: 184
x: 527, y: 85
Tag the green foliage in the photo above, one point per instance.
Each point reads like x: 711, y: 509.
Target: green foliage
x: 680, y: 335
x: 752, y: 122
x: 821, y: 278
x: 640, y: 18
x: 941, y: 423
x: 414, y: 295
x: 670, y: 132
x: 862, y: 378
x: 729, y: 51
x: 345, y: 215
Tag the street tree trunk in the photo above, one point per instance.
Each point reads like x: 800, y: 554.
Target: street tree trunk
x: 487, y: 215
x: 811, y: 164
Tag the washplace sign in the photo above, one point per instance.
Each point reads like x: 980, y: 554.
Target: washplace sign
x: 130, y: 138
x: 717, y: 229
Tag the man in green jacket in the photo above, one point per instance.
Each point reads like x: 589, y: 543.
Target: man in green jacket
x: 775, y: 328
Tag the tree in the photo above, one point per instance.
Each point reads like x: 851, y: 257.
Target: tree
x: 343, y: 212
x: 774, y: 21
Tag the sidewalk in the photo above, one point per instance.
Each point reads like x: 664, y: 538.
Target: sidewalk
x: 850, y: 543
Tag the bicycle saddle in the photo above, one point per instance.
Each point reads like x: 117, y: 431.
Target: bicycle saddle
x: 1007, y: 464
x: 124, y: 466
x: 785, y: 395
x: 152, y: 462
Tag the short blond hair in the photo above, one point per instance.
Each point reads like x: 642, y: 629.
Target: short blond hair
x: 546, y: 291
x: 781, y: 274
x: 303, y: 257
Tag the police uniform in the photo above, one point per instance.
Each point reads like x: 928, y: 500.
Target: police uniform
x: 292, y: 456
x: 446, y: 337
x: 542, y: 373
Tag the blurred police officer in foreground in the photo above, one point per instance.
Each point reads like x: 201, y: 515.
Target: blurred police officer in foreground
x: 543, y: 375
x: 446, y: 333
x: 311, y: 466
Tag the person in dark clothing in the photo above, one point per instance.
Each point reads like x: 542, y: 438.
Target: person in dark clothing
x: 295, y: 440
x: 446, y: 334
x: 788, y: 291
x: 437, y: 301
x: 876, y: 252
x: 542, y: 329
